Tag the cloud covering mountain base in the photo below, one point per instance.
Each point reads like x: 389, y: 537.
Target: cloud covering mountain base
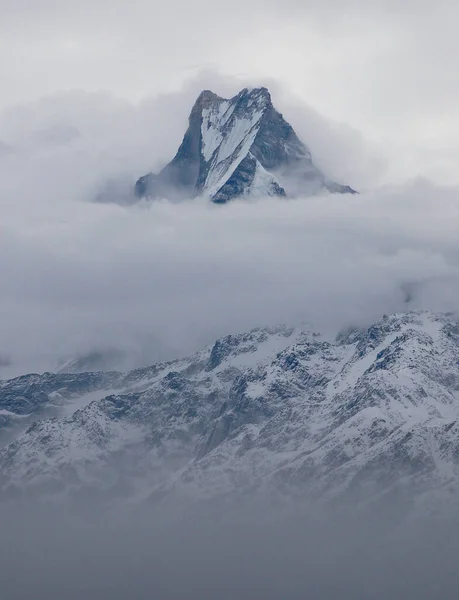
x: 162, y: 280
x: 159, y: 280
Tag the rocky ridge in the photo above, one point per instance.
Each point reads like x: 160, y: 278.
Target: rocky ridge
x: 241, y: 147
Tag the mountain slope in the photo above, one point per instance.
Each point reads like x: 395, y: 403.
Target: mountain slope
x: 238, y: 147
x: 373, y: 414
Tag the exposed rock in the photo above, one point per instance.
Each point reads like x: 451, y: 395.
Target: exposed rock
x: 238, y: 147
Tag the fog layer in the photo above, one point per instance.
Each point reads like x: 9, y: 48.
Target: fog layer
x: 252, y: 553
x: 160, y: 280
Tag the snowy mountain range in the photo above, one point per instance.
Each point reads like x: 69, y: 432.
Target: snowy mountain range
x: 371, y: 414
x: 238, y: 147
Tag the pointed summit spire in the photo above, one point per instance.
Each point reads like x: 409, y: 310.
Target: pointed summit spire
x: 236, y: 147
x: 206, y: 98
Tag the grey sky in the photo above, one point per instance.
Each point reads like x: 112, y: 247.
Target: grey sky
x: 99, y: 93
x: 387, y: 68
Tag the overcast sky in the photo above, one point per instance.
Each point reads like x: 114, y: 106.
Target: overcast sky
x: 96, y: 93
x: 384, y: 67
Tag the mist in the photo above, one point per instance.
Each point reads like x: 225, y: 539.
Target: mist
x: 244, y: 551
x: 179, y: 276
x: 364, y: 64
x: 84, y: 270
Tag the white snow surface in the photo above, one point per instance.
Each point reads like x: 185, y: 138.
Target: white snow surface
x: 263, y: 183
x: 227, y: 139
x: 213, y: 119
x: 232, y: 149
x: 278, y: 408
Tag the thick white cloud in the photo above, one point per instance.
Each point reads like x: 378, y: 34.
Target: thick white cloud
x: 101, y: 276
x: 163, y: 279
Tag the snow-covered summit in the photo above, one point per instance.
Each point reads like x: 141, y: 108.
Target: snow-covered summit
x: 238, y: 147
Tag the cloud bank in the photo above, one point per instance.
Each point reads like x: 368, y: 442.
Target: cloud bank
x: 160, y: 280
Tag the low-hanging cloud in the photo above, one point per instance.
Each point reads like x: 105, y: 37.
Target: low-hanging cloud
x: 159, y: 280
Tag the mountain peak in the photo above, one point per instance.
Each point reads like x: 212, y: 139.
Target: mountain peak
x: 261, y: 92
x: 261, y: 96
x: 205, y: 99
x: 236, y: 147
x: 246, y: 100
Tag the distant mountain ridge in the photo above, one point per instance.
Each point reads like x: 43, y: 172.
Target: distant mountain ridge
x: 238, y: 147
x: 373, y: 414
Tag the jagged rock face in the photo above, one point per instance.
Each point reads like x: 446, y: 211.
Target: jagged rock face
x: 238, y: 147
x: 374, y: 412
